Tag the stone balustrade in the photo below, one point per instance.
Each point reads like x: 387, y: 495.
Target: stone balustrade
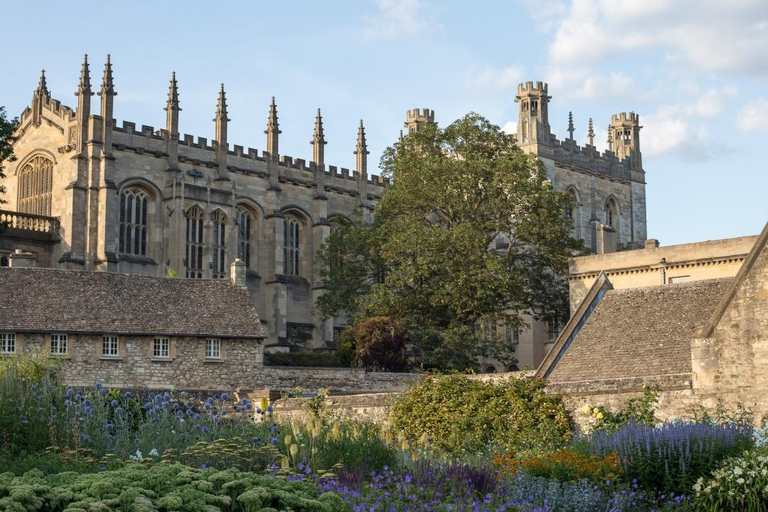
x: 29, y: 222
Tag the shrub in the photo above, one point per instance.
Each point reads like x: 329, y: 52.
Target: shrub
x: 672, y: 457
x: 380, y: 344
x: 465, y: 416
x: 741, y: 483
x: 346, y: 346
x: 640, y: 410
x: 161, y: 487
x: 305, y: 359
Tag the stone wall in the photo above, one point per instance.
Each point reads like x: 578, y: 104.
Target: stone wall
x: 135, y: 368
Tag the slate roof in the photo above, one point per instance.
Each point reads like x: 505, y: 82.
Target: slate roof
x: 52, y: 300
x: 640, y: 332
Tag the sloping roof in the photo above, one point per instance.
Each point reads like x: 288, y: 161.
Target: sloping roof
x: 640, y: 332
x: 749, y: 262
x: 52, y: 300
x: 595, y: 294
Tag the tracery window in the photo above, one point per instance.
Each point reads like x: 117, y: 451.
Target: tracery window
x: 245, y: 225
x: 195, y: 216
x: 612, y: 214
x: 36, y: 186
x: 219, y: 244
x: 133, y: 222
x: 291, y: 246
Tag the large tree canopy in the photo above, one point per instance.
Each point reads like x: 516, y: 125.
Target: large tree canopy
x: 470, y: 232
x: 7, y: 139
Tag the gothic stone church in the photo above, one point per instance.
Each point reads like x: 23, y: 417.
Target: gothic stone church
x: 88, y: 193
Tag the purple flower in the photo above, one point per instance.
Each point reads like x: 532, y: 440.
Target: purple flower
x: 113, y: 403
x: 274, y: 441
x: 269, y: 408
x: 118, y: 410
x: 128, y: 394
x: 110, y: 427
x: 148, y: 405
x: 224, y: 396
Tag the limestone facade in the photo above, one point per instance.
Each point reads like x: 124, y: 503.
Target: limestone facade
x: 131, y: 198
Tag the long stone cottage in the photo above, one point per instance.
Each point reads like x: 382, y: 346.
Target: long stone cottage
x: 89, y: 193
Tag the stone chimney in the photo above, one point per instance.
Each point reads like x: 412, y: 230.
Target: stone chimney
x: 237, y: 273
x: 21, y: 259
x: 651, y: 243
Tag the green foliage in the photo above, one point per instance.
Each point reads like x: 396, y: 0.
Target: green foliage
x: 470, y: 230
x: 161, y: 487
x: 639, y: 409
x: 345, y: 346
x: 465, y: 415
x: 740, y: 483
x: 380, y: 344
x: 7, y: 139
x: 305, y: 359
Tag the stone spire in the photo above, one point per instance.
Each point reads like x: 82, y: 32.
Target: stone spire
x: 221, y: 120
x: 107, y: 94
x: 39, y: 97
x: 610, y: 139
x: 318, y: 142
x: 591, y: 133
x: 401, y: 138
x: 83, y: 94
x: 272, y: 131
x: 362, y: 154
x: 172, y: 109
x: 570, y: 125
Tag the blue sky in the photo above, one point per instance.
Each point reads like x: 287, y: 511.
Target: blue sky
x: 696, y: 72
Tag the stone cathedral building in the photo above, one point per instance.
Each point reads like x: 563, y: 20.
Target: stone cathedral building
x: 88, y: 193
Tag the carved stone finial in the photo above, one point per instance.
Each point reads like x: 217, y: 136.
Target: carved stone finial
x: 591, y: 133
x: 173, y: 94
x: 610, y: 139
x: 273, y: 130
x: 318, y: 142
x: 361, y: 151
x: 221, y: 106
x: 84, y: 87
x: 42, y: 86
x: 107, y: 83
x: 570, y: 125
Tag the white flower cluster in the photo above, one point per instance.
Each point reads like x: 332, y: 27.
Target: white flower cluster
x: 739, y: 481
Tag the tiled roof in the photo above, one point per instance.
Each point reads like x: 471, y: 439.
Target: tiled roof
x: 45, y: 300
x: 640, y: 332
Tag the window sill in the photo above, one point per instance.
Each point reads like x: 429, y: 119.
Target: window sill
x: 7, y: 354
x: 162, y: 359
x: 110, y: 358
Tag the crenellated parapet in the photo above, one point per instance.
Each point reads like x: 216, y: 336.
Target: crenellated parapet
x: 416, y: 118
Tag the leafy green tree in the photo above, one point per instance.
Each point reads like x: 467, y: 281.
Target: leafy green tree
x: 469, y: 232
x: 7, y: 139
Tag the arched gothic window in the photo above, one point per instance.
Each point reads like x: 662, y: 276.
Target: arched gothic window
x: 612, y: 214
x: 195, y: 216
x: 36, y: 186
x: 133, y: 222
x: 245, y: 237
x: 291, y: 246
x: 219, y: 244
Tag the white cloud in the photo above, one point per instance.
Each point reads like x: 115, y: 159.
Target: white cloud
x: 399, y: 18
x: 510, y: 127
x: 498, y: 81
x: 616, y: 84
x: 753, y: 116
x: 707, y: 35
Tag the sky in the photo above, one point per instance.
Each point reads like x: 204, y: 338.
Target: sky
x: 695, y: 72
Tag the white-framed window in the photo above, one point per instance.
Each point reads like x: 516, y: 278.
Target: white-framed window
x: 109, y: 346
x: 679, y: 279
x: 59, y: 344
x: 213, y: 348
x: 161, y: 348
x: 7, y: 343
x: 291, y: 246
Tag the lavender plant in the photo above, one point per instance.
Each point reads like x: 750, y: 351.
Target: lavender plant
x: 671, y: 457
